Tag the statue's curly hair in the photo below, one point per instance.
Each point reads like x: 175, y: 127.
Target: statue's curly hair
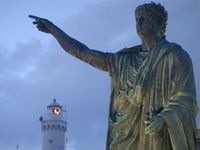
x: 157, y: 13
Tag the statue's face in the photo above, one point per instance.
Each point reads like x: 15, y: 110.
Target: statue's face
x: 144, y: 25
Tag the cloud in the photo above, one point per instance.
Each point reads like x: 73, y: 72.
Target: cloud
x: 25, y: 93
x: 98, y: 25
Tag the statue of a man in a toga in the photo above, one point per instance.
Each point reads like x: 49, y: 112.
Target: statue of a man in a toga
x: 153, y: 104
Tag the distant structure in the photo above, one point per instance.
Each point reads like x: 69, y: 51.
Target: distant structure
x: 198, y: 140
x: 17, y: 147
x: 53, y: 127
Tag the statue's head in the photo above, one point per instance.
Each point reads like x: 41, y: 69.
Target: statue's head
x: 151, y: 18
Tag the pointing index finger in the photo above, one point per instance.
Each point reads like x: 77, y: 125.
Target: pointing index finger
x: 34, y: 17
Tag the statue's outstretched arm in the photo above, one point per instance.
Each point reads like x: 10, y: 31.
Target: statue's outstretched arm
x: 97, y: 59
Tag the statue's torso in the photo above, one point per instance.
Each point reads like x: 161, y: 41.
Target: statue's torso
x: 132, y: 98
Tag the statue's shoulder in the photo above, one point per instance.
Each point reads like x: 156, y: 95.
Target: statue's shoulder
x: 130, y: 49
x: 178, y: 52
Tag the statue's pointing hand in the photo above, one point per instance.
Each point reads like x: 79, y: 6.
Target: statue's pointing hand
x: 42, y: 24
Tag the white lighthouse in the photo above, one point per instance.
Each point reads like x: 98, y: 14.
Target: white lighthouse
x: 53, y: 127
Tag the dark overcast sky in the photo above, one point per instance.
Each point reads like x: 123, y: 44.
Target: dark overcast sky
x: 34, y: 69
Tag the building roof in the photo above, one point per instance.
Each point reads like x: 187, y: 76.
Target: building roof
x: 54, y: 104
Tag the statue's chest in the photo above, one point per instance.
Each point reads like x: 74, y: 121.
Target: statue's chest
x: 128, y: 65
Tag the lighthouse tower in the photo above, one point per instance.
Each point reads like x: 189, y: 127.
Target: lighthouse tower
x: 53, y: 127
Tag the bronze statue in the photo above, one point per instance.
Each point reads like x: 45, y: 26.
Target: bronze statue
x: 153, y: 104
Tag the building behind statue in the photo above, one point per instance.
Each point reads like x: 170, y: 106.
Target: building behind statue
x: 198, y: 140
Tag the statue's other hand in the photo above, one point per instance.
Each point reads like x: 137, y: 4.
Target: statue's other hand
x: 42, y: 24
x: 155, y: 125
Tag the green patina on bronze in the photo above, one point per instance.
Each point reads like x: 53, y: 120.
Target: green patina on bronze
x: 164, y: 80
x: 153, y: 102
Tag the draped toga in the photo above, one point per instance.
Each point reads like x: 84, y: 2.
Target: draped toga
x: 160, y: 80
